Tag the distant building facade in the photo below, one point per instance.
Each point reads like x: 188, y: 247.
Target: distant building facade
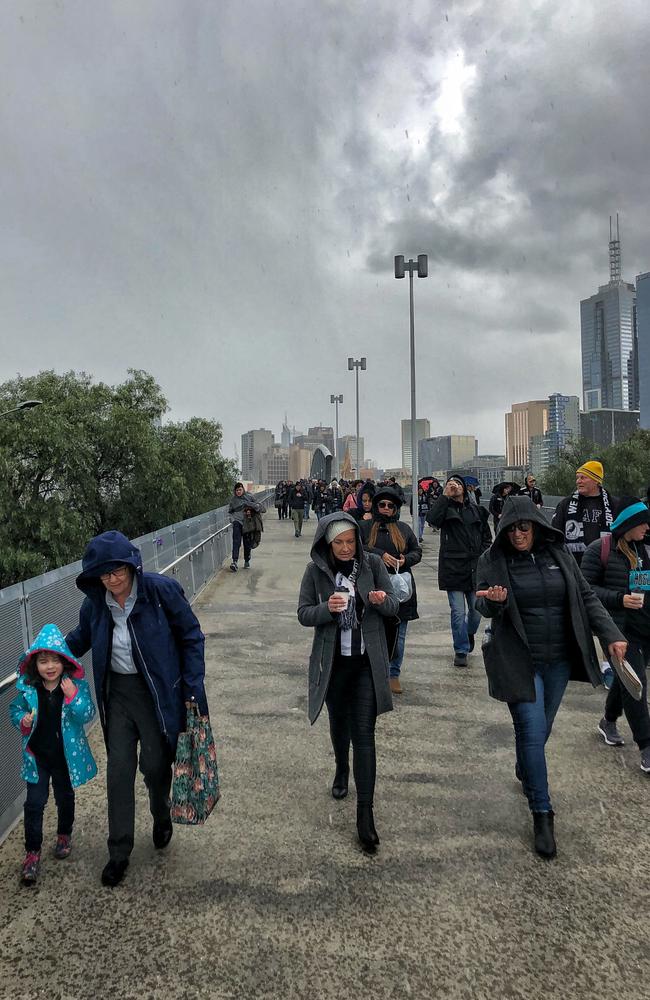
x: 563, y: 428
x: 606, y: 427
x: 300, y: 460
x: 349, y: 443
x: 643, y: 342
x: 437, y: 454
x: 422, y: 431
x: 276, y: 464
x: 523, y: 422
x: 314, y: 437
x: 254, y: 446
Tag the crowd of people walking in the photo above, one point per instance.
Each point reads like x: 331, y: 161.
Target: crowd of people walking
x: 545, y: 587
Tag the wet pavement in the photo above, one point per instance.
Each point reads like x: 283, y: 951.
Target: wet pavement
x: 273, y: 897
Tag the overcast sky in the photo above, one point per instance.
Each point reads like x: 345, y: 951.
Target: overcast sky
x: 214, y: 192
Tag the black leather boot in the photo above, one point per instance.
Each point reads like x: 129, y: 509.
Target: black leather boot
x: 340, y: 783
x: 544, y: 835
x: 368, y: 836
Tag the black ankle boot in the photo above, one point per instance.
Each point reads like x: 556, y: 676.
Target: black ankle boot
x: 341, y: 779
x: 544, y: 836
x: 366, y: 829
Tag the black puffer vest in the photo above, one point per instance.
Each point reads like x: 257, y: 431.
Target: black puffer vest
x: 539, y: 588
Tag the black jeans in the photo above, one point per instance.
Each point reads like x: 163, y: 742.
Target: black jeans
x: 238, y: 535
x: 352, y: 707
x: 619, y: 701
x: 132, y: 719
x: 37, y: 796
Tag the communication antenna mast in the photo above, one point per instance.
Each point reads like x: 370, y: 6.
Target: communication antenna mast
x: 614, y: 253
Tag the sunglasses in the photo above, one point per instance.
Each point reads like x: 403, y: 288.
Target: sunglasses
x: 387, y: 504
x: 519, y: 526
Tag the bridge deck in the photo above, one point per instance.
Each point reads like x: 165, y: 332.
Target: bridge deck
x: 273, y: 898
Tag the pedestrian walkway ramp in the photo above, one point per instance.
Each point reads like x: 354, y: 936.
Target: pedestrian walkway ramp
x: 274, y: 899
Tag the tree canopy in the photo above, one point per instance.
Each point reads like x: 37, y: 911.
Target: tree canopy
x: 626, y: 465
x: 95, y: 457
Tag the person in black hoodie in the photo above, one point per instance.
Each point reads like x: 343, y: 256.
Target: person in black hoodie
x: 346, y: 597
x: 530, y: 489
x: 543, y: 615
x: 396, y: 545
x: 464, y: 534
x: 618, y: 569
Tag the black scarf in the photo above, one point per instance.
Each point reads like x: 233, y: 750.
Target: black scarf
x: 348, y: 618
x: 573, y: 529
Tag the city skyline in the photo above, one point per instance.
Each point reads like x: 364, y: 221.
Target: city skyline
x: 199, y: 196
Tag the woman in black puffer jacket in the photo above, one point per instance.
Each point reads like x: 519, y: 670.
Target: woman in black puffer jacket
x: 543, y: 615
x: 394, y: 542
x: 611, y: 565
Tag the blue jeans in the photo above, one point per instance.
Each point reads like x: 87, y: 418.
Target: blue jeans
x: 396, y: 662
x: 423, y: 521
x: 533, y: 721
x: 306, y: 511
x: 463, y: 624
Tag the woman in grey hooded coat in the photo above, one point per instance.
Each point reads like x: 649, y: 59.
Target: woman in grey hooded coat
x: 346, y: 596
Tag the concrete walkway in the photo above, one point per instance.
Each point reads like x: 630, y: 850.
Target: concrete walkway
x: 274, y: 899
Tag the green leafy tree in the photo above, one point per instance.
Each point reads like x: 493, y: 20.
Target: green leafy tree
x: 92, y: 458
x: 626, y: 465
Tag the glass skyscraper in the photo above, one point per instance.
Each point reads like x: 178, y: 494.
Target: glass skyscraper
x: 643, y: 329
x: 609, y: 358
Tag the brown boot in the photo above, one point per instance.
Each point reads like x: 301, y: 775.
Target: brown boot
x: 395, y: 685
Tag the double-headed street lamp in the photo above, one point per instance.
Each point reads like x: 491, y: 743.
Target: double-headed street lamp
x: 422, y: 268
x: 360, y: 364
x: 337, y: 400
x: 27, y: 405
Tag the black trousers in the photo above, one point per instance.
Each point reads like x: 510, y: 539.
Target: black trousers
x: 37, y: 796
x: 352, y: 707
x: 619, y: 701
x: 132, y: 719
x: 239, y: 536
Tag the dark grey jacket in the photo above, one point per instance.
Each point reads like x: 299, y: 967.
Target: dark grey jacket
x: 237, y: 505
x: 318, y: 585
x: 507, y: 657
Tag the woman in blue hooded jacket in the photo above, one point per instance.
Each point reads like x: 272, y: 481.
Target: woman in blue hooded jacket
x: 148, y: 661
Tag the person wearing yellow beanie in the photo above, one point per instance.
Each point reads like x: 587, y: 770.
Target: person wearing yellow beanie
x: 588, y: 513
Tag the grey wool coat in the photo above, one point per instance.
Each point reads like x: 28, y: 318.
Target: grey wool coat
x: 318, y: 585
x: 507, y: 658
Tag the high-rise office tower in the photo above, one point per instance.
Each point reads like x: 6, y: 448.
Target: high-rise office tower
x: 254, y: 446
x: 643, y: 332
x: 524, y: 421
x: 608, y: 334
x: 422, y: 431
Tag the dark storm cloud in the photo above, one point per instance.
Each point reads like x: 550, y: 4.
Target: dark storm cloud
x: 215, y: 193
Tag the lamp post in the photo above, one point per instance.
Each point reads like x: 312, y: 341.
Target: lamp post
x: 28, y: 404
x: 337, y: 400
x: 421, y: 265
x: 356, y: 365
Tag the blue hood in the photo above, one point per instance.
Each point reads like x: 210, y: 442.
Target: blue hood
x: 50, y: 639
x: 103, y: 553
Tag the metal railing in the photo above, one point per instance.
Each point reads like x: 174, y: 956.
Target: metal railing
x: 191, y: 551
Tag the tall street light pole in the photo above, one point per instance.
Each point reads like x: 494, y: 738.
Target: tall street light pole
x: 356, y: 365
x: 421, y: 265
x: 27, y: 405
x: 337, y: 400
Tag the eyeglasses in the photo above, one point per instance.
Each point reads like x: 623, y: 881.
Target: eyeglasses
x: 117, y: 574
x: 522, y: 526
x: 387, y: 504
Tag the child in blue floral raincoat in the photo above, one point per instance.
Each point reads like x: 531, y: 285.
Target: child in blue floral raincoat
x: 52, y: 706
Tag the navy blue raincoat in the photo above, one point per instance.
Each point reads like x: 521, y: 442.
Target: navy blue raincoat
x: 167, y: 644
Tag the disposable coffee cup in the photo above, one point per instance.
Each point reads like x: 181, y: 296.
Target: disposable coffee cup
x: 345, y: 595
